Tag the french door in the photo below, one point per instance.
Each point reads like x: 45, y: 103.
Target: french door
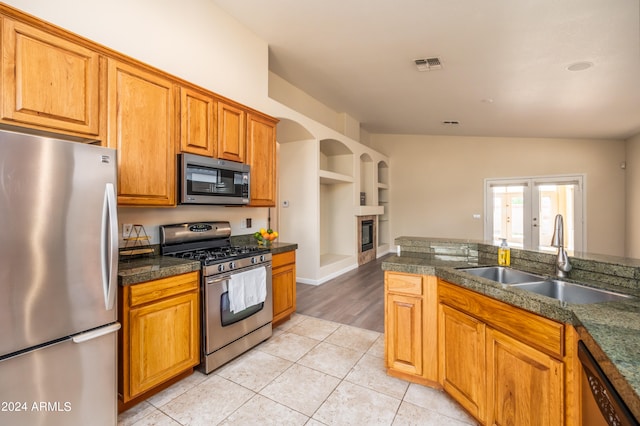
x: 523, y: 211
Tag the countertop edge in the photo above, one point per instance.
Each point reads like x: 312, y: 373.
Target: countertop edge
x: 143, y: 269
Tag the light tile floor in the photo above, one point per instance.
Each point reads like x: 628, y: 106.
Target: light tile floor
x: 311, y: 372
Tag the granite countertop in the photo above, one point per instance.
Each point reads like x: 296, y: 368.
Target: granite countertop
x: 142, y: 269
x: 611, y: 330
x: 278, y: 247
x: 139, y: 270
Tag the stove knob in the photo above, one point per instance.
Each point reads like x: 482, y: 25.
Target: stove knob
x: 220, y: 267
x: 261, y: 258
x: 232, y: 265
x: 253, y: 260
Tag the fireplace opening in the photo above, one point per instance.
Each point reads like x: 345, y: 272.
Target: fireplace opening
x: 367, y: 235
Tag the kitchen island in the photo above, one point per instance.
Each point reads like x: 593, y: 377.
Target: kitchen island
x: 611, y: 330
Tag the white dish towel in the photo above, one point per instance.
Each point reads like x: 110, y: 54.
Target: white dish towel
x: 247, y: 289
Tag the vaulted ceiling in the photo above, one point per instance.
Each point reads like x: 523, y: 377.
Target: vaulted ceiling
x: 505, y: 65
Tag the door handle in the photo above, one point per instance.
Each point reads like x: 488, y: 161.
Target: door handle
x: 109, y: 246
x: 90, y: 335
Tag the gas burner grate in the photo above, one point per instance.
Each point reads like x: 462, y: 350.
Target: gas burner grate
x: 208, y: 256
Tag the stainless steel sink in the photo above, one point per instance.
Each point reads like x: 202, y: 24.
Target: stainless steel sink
x: 502, y: 274
x: 567, y: 292
x: 570, y: 292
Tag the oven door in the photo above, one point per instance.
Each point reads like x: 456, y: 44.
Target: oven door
x: 221, y: 325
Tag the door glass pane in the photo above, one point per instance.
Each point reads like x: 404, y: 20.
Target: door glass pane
x: 508, y: 214
x: 553, y: 200
x: 523, y: 211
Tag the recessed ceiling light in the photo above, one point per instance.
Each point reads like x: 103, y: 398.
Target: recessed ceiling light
x: 580, y: 66
x: 487, y: 100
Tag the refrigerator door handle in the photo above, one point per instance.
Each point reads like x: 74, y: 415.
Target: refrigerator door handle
x: 109, y: 237
x: 90, y: 335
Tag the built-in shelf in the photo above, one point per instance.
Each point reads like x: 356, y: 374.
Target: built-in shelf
x: 383, y: 173
x: 330, y: 258
x: 326, y: 176
x: 332, y: 178
x: 337, y: 179
x: 369, y: 210
x: 383, y: 232
x: 336, y: 157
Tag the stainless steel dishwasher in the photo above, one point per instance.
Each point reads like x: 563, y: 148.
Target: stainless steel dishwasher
x: 601, y: 404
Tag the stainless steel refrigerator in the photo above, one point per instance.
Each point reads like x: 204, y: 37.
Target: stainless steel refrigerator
x: 58, y: 282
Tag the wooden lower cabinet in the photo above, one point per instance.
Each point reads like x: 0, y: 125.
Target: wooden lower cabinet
x: 411, y: 327
x: 462, y: 359
x: 160, y: 335
x: 404, y: 324
x: 284, y: 286
x: 504, y: 365
x: 524, y: 385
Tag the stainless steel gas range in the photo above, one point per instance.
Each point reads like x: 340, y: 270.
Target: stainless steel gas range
x: 226, y: 333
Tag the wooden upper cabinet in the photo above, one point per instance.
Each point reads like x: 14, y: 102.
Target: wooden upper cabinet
x: 261, y: 157
x: 49, y: 82
x: 231, y: 132
x: 197, y: 122
x: 141, y: 128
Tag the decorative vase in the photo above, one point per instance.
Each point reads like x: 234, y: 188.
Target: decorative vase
x: 264, y: 243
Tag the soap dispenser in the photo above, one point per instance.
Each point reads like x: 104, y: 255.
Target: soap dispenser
x: 504, y: 253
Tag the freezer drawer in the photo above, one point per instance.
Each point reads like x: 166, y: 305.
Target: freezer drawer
x: 72, y: 382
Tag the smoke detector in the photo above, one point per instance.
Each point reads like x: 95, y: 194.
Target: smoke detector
x: 428, y: 64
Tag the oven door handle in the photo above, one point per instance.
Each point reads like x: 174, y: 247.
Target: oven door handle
x: 218, y: 279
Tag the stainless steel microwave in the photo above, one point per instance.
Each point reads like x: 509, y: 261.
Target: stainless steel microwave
x: 205, y: 180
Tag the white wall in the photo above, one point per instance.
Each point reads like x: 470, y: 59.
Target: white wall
x: 298, y: 186
x: 286, y: 93
x: 150, y: 218
x: 633, y: 197
x: 437, y: 182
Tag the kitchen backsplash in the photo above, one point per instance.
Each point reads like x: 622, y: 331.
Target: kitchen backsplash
x: 608, y: 271
x: 152, y: 218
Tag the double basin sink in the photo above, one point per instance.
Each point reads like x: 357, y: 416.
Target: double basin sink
x: 556, y: 289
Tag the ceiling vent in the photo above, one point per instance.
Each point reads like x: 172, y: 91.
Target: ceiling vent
x: 428, y: 64
x: 451, y: 122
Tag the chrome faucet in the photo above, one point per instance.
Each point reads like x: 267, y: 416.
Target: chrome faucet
x: 562, y: 261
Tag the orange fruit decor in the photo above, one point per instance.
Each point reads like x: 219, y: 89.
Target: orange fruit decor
x: 265, y: 236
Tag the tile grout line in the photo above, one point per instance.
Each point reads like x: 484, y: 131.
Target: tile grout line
x: 362, y: 353
x: 341, y: 380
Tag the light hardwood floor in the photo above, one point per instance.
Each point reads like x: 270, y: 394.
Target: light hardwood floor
x: 355, y: 298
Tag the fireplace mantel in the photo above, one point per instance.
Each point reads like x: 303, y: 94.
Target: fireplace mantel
x: 369, y: 210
